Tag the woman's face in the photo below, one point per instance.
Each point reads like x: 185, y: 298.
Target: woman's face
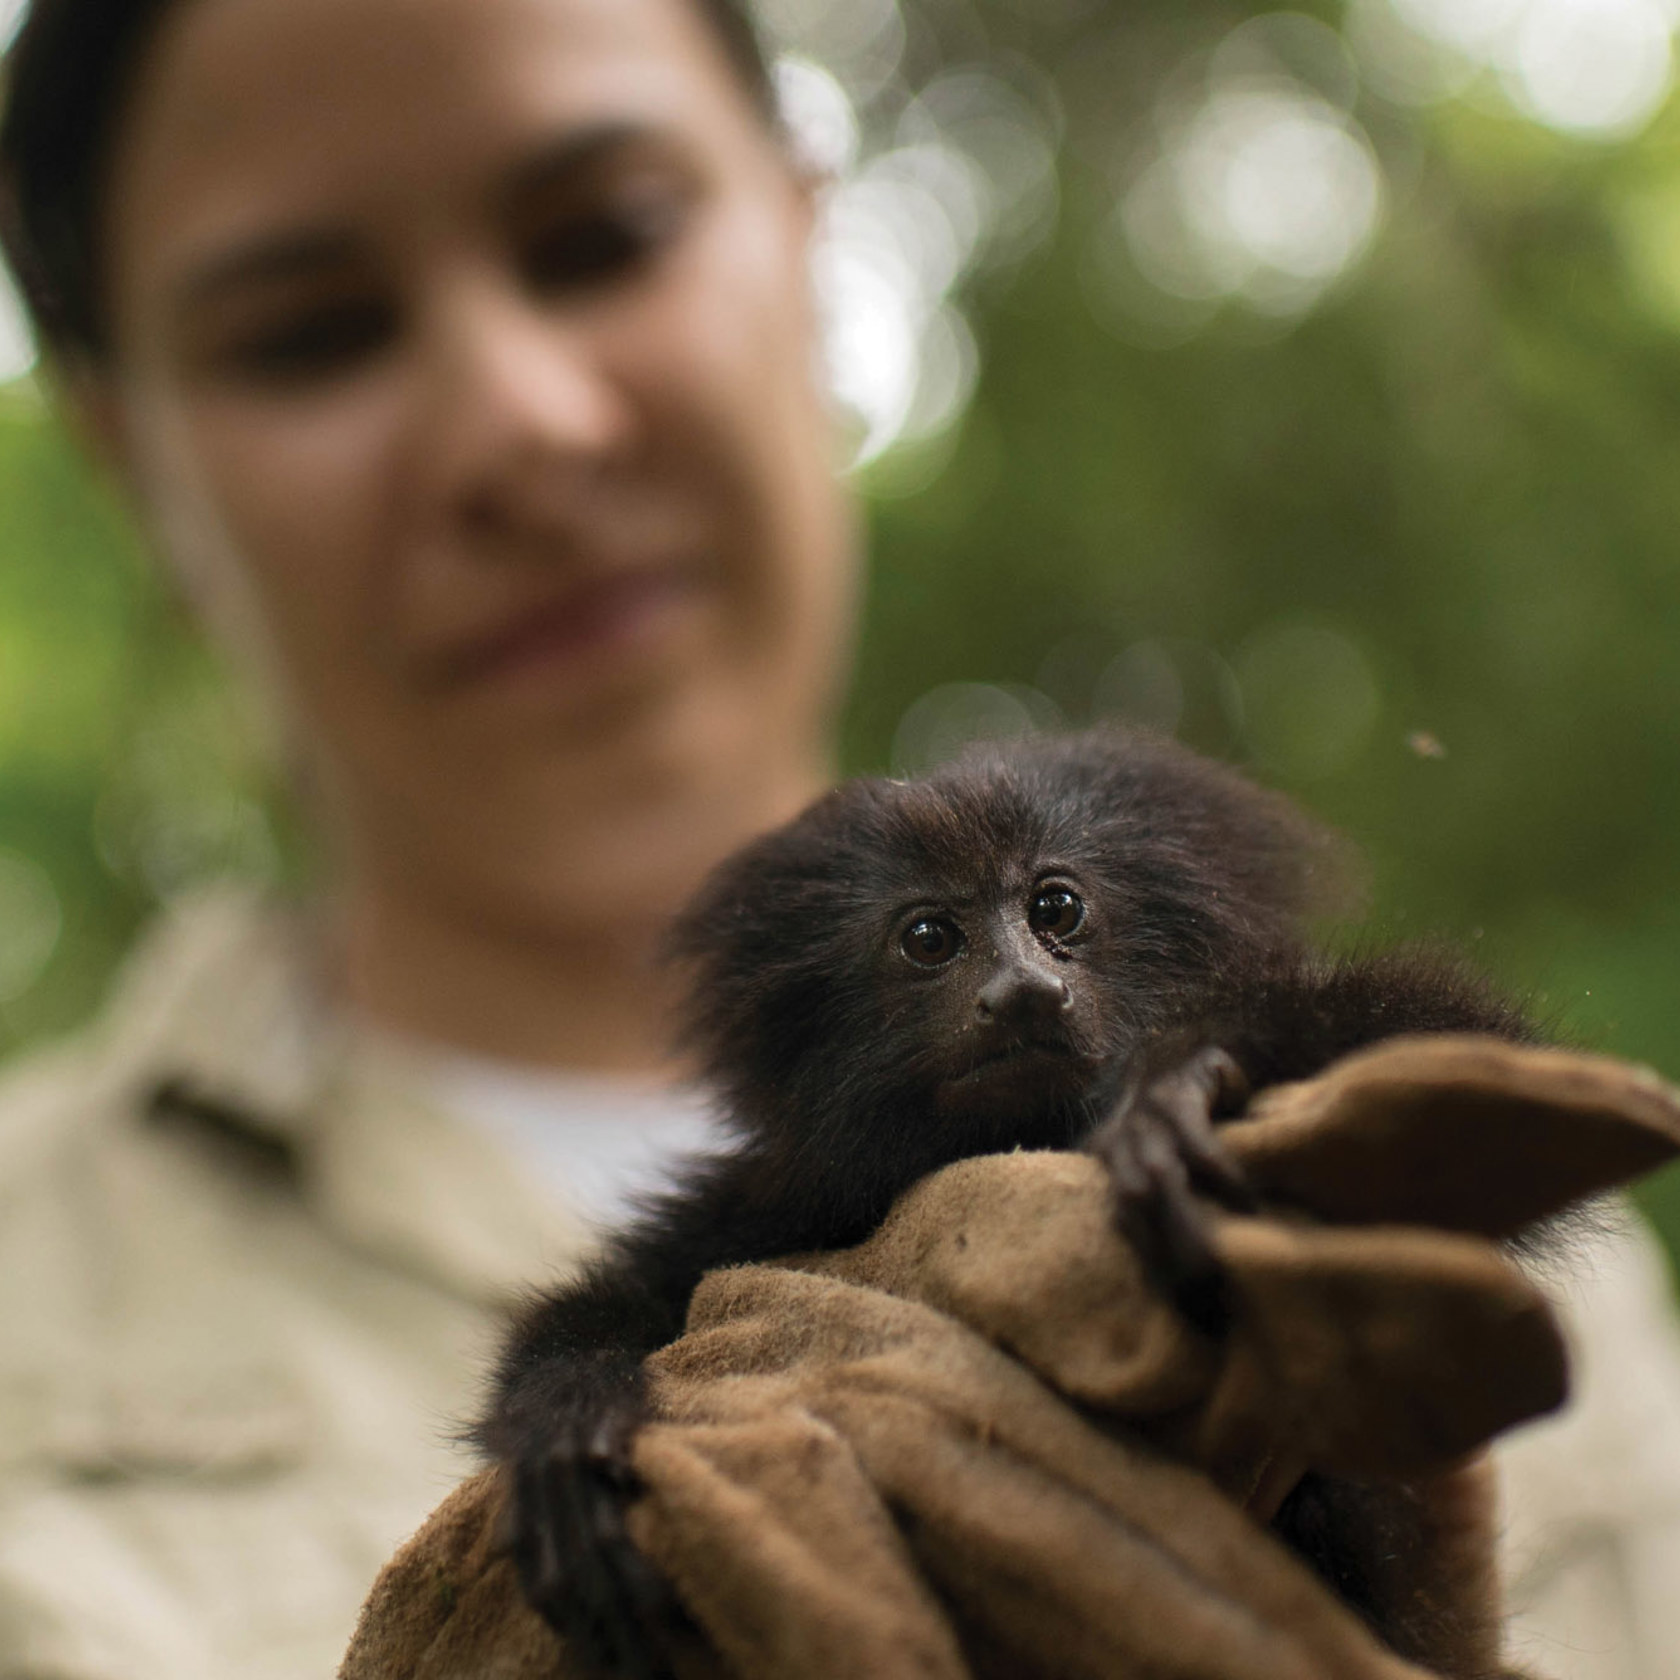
x: 464, y: 364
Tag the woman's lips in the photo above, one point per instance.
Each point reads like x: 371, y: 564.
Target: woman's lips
x: 598, y: 623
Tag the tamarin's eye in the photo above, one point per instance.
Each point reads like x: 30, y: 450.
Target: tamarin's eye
x: 931, y: 942
x: 1057, y: 913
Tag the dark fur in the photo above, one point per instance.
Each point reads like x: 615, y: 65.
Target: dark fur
x: 851, y: 1072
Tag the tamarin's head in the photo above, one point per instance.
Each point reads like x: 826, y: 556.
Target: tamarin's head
x: 990, y: 946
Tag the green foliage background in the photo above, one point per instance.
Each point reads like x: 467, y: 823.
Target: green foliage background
x: 1465, y: 464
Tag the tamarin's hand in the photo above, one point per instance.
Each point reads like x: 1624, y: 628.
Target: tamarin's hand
x: 1162, y: 1151
x: 570, y: 1542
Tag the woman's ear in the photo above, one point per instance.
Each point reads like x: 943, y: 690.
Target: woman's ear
x: 88, y: 398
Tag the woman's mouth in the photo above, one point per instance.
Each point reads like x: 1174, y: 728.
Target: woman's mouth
x: 593, y: 627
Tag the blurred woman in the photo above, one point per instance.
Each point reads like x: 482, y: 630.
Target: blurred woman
x: 458, y: 355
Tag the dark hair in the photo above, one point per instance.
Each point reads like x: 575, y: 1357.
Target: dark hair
x: 68, y: 75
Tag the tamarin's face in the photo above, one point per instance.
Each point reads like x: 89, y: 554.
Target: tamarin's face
x: 950, y: 978
x: 1001, y: 985
x: 938, y: 984
x: 988, y: 947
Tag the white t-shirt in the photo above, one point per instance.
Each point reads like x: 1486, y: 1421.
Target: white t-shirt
x: 604, y: 1145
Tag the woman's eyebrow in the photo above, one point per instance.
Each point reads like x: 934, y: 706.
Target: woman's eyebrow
x: 580, y: 150
x: 268, y: 258
x: 301, y: 253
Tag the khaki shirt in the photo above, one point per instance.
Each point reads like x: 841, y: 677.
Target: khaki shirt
x: 250, y: 1277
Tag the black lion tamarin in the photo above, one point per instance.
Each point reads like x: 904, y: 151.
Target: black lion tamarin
x: 1095, y: 942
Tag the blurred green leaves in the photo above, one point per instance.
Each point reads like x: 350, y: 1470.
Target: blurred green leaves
x: 125, y: 772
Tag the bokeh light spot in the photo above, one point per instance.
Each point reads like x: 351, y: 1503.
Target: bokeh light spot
x: 947, y: 374
x: 897, y: 239
x: 1311, y: 699
x: 1592, y: 67
x: 1009, y: 140
x: 1260, y: 186
x: 862, y: 42
x: 924, y: 189
x: 1142, y: 686
x: 1473, y: 27
x: 1070, y: 671
x: 1291, y: 48
x: 872, y: 338
x: 936, y: 728
x: 1403, y: 62
x: 1268, y: 194
x: 1600, y: 69
x: 1175, y: 686
x: 818, y: 116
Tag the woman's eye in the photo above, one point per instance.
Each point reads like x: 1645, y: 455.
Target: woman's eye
x: 314, y: 344
x: 585, y: 249
x: 932, y: 942
x: 1057, y: 913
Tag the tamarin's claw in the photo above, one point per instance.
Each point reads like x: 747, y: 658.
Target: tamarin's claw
x: 576, y: 1561
x: 1162, y: 1152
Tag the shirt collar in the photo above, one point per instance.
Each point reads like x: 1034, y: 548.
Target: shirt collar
x: 223, y: 1004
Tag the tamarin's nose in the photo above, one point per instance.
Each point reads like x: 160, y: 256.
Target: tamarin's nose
x: 1022, y: 997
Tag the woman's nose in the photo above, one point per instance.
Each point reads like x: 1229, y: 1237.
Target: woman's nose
x: 520, y: 403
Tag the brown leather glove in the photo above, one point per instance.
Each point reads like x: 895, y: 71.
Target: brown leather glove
x: 978, y: 1445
